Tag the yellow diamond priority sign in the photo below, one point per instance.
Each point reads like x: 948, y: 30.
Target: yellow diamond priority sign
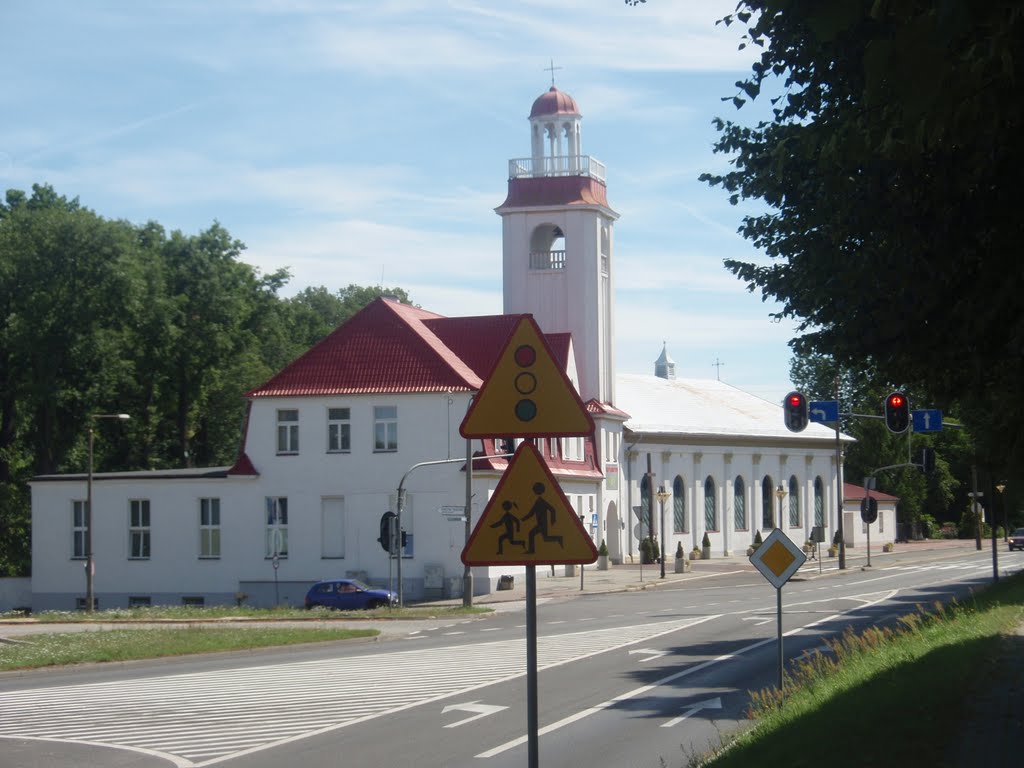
x: 528, y: 520
x: 778, y: 558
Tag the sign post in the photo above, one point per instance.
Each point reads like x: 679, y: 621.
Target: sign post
x: 778, y: 558
x: 528, y: 520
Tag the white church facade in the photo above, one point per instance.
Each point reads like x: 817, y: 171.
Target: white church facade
x: 377, y: 405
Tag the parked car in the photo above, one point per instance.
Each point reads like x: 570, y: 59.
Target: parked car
x: 348, y: 594
x: 1016, y: 539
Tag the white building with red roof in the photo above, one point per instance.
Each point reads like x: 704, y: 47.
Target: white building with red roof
x: 329, y: 440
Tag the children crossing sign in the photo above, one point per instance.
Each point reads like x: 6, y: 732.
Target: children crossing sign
x: 527, y: 394
x: 528, y: 520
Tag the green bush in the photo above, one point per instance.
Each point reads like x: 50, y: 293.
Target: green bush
x: 603, y: 549
x: 649, y: 550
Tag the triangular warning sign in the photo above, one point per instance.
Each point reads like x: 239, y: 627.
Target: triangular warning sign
x: 527, y: 394
x: 528, y: 520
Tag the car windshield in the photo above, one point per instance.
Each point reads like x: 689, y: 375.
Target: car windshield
x: 1018, y: 532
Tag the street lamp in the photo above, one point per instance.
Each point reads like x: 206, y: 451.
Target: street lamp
x: 780, y: 494
x: 663, y: 496
x: 89, y: 567
x: 1006, y: 523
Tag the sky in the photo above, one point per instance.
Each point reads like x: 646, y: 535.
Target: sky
x: 368, y: 143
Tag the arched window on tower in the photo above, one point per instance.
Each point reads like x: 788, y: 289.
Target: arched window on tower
x: 767, y: 503
x: 547, y: 248
x: 710, y: 507
x: 739, y: 504
x: 679, y: 505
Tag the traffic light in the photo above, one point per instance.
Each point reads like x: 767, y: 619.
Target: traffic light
x: 387, y: 532
x: 869, y: 509
x: 897, y: 412
x: 794, y: 408
x: 928, y: 460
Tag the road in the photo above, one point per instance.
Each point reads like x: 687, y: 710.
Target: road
x: 626, y: 679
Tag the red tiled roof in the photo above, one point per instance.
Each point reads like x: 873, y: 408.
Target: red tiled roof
x: 853, y: 492
x: 554, y: 102
x: 555, y: 190
x: 385, y: 347
x: 393, y: 347
x: 243, y: 466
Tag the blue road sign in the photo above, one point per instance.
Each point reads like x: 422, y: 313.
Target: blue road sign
x: 824, y: 411
x: 927, y: 420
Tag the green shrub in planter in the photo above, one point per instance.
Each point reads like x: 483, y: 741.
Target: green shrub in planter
x: 603, y: 549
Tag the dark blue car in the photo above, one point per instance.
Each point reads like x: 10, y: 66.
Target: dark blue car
x: 347, y: 595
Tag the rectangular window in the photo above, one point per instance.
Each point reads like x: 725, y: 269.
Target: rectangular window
x: 572, y: 448
x: 277, y: 526
x: 138, y: 529
x: 332, y: 527
x: 385, y: 428
x: 339, y: 430
x: 78, y: 529
x: 209, y: 528
x: 287, y: 431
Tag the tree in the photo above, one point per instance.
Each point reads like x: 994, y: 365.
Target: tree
x: 890, y: 172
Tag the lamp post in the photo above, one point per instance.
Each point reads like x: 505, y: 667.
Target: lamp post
x: 90, y: 598
x: 663, y: 495
x: 780, y: 494
x: 1006, y: 523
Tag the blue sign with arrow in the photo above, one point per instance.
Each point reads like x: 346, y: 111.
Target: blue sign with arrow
x: 824, y: 411
x: 927, y: 420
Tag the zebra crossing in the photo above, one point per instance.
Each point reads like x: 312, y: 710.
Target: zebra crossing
x: 198, y: 719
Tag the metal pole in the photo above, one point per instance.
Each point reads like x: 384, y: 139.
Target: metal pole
x: 398, y: 540
x: 995, y: 547
x: 467, y: 573
x: 89, y: 587
x: 839, y: 492
x: 533, y: 735
x: 869, y: 545
x: 778, y: 616
x: 661, y: 499
x: 977, y: 512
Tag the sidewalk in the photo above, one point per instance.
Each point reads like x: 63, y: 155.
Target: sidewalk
x: 630, y: 577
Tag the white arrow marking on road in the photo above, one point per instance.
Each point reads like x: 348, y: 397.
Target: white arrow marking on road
x: 715, y: 703
x: 482, y: 710
x: 649, y: 652
x: 759, y: 619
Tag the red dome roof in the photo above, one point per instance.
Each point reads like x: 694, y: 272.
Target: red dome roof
x: 554, y: 102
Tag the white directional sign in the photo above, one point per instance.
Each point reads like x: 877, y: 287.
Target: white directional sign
x: 823, y: 411
x: 929, y: 420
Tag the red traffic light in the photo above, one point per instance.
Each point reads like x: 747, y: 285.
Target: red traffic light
x: 794, y: 411
x: 897, y: 412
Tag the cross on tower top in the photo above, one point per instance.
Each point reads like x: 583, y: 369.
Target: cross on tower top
x: 552, y: 69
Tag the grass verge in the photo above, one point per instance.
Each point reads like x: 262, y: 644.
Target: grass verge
x: 883, y: 697
x: 55, y: 649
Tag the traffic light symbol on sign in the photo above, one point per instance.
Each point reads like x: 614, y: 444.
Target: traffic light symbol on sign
x: 527, y: 394
x: 897, y: 412
x: 794, y: 408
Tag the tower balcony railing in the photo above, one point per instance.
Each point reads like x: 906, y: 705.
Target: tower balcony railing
x: 561, y: 165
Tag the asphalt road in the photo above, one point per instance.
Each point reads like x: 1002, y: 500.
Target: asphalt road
x: 625, y: 679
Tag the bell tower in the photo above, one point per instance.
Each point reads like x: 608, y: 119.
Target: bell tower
x: 557, y: 241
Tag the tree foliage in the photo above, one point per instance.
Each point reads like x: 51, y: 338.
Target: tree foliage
x: 890, y: 169
x: 103, y: 316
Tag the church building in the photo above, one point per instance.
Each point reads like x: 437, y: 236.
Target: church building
x: 374, y: 409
